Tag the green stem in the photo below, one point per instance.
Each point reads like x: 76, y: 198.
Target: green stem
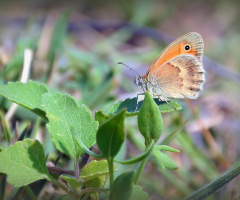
x: 76, y: 168
x: 138, y: 158
x: 140, y: 169
x: 30, y: 192
x: 111, y: 171
x: 144, y: 161
x: 215, y: 185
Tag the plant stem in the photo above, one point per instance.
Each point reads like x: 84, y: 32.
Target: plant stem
x: 111, y: 172
x: 215, y: 185
x: 140, y: 169
x: 30, y: 192
x: 76, y: 168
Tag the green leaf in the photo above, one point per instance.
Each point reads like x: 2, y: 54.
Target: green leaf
x: 95, y: 169
x: 75, y: 183
x: 138, y: 193
x: 150, y: 121
x: 68, y: 120
x: 123, y: 186
x: 131, y: 105
x: 27, y: 95
x: 162, y: 160
x: 24, y: 163
x: 215, y: 185
x: 110, y: 135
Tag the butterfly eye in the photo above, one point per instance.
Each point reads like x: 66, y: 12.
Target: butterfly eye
x: 187, y: 47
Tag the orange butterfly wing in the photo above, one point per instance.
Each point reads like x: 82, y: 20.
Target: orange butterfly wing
x: 178, y: 47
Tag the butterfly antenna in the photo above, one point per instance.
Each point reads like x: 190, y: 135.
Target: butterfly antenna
x: 120, y: 63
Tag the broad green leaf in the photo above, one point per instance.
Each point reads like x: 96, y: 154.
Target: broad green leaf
x: 150, y: 121
x: 110, y: 135
x: 138, y: 193
x: 131, y: 105
x: 27, y: 95
x: 123, y: 186
x: 24, y: 163
x: 68, y: 120
x: 75, y: 183
x: 95, y: 169
x: 162, y: 160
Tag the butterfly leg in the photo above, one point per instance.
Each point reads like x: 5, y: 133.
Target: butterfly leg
x: 159, y: 97
x: 137, y: 100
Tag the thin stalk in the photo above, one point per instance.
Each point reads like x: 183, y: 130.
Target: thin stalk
x: 76, y: 168
x: 111, y: 171
x: 140, y: 170
x: 30, y: 192
x: 215, y: 185
x: 144, y: 161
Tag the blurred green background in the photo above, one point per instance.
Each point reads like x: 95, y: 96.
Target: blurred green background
x: 77, y: 45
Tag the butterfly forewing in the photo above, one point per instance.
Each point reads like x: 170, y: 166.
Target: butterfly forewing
x: 179, y: 47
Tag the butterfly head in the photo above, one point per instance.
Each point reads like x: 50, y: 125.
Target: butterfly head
x: 141, y: 81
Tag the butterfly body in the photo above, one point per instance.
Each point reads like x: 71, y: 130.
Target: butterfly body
x: 178, y: 72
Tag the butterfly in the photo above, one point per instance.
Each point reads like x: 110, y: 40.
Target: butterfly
x: 177, y: 72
